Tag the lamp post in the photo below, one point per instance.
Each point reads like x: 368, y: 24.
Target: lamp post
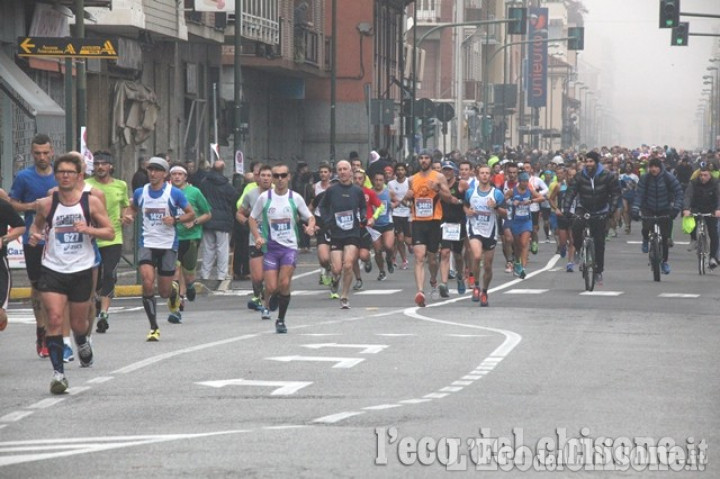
x: 714, y: 104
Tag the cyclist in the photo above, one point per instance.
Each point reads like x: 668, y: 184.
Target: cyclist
x: 597, y: 191
x: 703, y: 196
x: 658, y: 194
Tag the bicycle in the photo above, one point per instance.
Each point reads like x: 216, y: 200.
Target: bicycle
x: 587, y: 251
x: 702, y: 241
x: 655, y: 252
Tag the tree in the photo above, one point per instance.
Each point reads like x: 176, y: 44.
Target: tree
x: 576, y: 12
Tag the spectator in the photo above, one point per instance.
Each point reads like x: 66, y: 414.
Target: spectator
x: 215, y: 247
x: 140, y: 178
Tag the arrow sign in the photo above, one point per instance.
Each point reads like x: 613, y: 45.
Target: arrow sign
x: 27, y: 45
x: 341, y: 362
x: 366, y: 348
x: 284, y: 388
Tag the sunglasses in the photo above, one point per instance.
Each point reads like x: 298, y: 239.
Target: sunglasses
x: 277, y: 176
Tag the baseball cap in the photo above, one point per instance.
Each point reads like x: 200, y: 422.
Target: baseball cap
x: 523, y: 176
x: 493, y: 159
x: 558, y: 160
x: 449, y: 164
x: 158, y: 163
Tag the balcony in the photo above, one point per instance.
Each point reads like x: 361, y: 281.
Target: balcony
x: 428, y: 11
x: 163, y: 18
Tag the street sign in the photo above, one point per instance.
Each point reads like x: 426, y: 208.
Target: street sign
x: 425, y: 108
x: 445, y: 112
x: 101, y: 48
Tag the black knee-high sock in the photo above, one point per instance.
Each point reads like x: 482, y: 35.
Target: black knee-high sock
x: 283, y: 303
x: 55, y: 346
x: 257, y: 288
x: 98, y: 306
x: 150, y: 305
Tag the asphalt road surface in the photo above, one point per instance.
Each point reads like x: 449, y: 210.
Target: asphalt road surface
x: 624, y: 378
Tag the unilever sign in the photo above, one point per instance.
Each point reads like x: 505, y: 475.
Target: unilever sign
x: 537, y: 77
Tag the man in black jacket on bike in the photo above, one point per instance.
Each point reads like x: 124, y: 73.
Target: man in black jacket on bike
x: 703, y: 196
x: 658, y: 194
x: 597, y: 191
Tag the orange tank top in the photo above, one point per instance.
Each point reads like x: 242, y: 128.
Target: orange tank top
x: 426, y: 200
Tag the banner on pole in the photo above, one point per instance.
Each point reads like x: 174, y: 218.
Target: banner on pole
x: 537, y: 74
x: 239, y: 162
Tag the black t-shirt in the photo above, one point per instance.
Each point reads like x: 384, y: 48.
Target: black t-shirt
x: 343, y: 210
x: 8, y: 218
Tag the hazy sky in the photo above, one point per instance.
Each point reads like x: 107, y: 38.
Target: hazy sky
x: 654, y: 89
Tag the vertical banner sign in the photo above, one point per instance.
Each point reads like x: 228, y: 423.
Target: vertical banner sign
x: 239, y: 162
x: 85, y: 151
x: 538, y: 58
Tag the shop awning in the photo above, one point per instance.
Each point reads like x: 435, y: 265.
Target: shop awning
x: 25, y: 92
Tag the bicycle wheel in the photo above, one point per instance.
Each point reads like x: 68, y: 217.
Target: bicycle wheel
x: 702, y: 251
x: 655, y: 257
x: 589, y: 263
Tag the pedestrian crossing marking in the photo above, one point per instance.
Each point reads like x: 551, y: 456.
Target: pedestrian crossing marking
x: 383, y: 292
x: 526, y: 291
x: 601, y: 293
x: 678, y: 295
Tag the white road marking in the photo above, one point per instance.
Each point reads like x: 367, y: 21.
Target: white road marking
x: 99, y: 380
x: 450, y: 389
x: 678, y: 295
x: 321, y: 334
x: 380, y: 292
x: 466, y: 335
x: 343, y: 363
x: 380, y: 407
x: 41, y: 449
x: 415, y: 401
x: 526, y: 291
x: 45, y: 403
x: 436, y: 395
x: 333, y: 418
x: 77, y: 390
x: 284, y: 388
x: 15, y: 416
x: 462, y: 383
x: 285, y: 427
x: 395, y: 335
x: 366, y: 348
x: 601, y: 293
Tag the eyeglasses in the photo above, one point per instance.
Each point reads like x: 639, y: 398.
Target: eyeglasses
x: 277, y: 176
x: 66, y: 172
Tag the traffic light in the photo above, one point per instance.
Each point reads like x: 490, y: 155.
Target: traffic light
x: 518, y: 25
x: 428, y: 128
x: 669, y: 13
x: 680, y: 35
x: 576, y: 38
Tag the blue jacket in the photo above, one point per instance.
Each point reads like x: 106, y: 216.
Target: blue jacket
x: 657, y: 194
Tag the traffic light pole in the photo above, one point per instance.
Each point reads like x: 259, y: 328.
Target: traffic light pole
x: 416, y: 43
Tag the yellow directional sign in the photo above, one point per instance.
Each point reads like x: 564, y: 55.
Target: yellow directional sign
x: 102, y: 48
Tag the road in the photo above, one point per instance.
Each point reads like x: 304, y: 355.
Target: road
x: 357, y: 393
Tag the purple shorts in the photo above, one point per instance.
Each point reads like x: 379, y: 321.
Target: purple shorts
x: 278, y: 256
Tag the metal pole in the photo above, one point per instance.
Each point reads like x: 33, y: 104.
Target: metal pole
x: 459, y: 74
x: 237, y: 79
x: 69, y: 130
x: 81, y: 72
x: 414, y: 81
x: 215, y: 113
x: 333, y: 81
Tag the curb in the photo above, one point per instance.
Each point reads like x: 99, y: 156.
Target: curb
x: 121, y: 291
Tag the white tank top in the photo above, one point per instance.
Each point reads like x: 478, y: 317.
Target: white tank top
x: 66, y: 250
x: 319, y: 189
x: 400, y: 189
x: 156, y: 234
x: 483, y: 223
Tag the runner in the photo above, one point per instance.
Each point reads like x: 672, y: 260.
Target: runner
x: 161, y: 205
x: 384, y: 226
x: 454, y: 232
x: 29, y: 186
x: 264, y: 183
x: 189, y: 235
x: 118, y: 209
x: 426, y: 188
x: 273, y: 223
x: 8, y: 219
x: 510, y: 182
x: 556, y: 197
x: 401, y: 213
x: 344, y: 209
x: 69, y: 256
x: 481, y: 203
x: 369, y: 234
x: 519, y: 199
x: 323, y: 244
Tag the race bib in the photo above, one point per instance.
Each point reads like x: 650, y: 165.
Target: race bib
x: 451, y: 231
x: 424, y: 207
x: 344, y: 220
x: 155, y: 216
x: 522, y: 210
x: 281, y: 229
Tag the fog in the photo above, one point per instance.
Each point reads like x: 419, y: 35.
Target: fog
x: 652, y: 89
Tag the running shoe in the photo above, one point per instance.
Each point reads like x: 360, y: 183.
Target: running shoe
x: 265, y: 314
x: 85, y: 353
x: 334, y: 289
x: 153, y: 335
x: 321, y: 280
x: 509, y: 267
x: 671, y: 242
x: 420, y: 299
x: 173, y: 301
x: 102, y: 324
x: 344, y: 303
x: 40, y: 346
x: 175, y: 318
x: 68, y: 354
x: 665, y: 268
x: 358, y: 285
x: 563, y: 251
x: 476, y: 294
x: 484, y: 300
x: 382, y: 276
x: 390, y: 265
x: 255, y: 304
x: 59, y: 383
x: 404, y: 265
x: 444, y: 293
x: 461, y: 287
x: 517, y: 269
x: 645, y: 248
x: 713, y: 263
x: 522, y: 273
x: 452, y: 274
x: 326, y: 279
x: 368, y: 266
x: 273, y: 302
x: 280, y: 327
x: 570, y: 267
x: 433, y: 290
x: 471, y: 279
x: 534, y: 247
x: 598, y: 279
x: 191, y: 293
